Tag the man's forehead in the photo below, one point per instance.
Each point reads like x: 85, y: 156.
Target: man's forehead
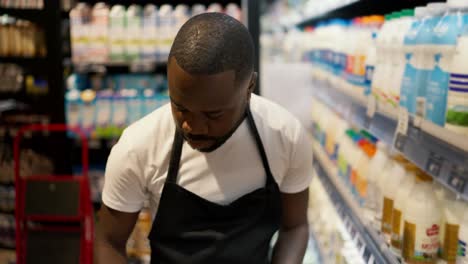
x: 211, y: 89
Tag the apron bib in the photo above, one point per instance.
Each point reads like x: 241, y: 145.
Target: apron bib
x: 190, y: 229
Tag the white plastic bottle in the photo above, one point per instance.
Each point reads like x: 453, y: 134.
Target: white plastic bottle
x: 234, y: 10
x: 134, y: 32
x: 390, y: 186
x: 198, y: 9
x: 422, y: 216
x: 150, y: 33
x: 413, y: 85
x: 117, y: 33
x: 400, y: 200
x: 457, y: 103
x: 452, y: 220
x: 99, y: 33
x: 215, y: 7
x: 166, y: 33
x: 377, y: 166
x: 80, y: 17
x: 399, y: 60
x: 444, y: 40
x: 181, y: 15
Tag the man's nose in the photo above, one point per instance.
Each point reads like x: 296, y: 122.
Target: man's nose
x: 195, y: 124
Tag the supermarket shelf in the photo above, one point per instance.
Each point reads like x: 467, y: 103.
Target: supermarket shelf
x: 36, y: 15
x: 120, y: 67
x: 370, y: 244
x: 441, y: 153
x: 160, y: 2
x: 32, y: 64
x: 6, y: 247
x: 352, y: 8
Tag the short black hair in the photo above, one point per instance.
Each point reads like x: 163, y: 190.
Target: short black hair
x: 212, y: 43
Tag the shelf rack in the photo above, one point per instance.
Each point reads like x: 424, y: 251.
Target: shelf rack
x: 351, y: 9
x: 370, y: 244
x: 441, y: 153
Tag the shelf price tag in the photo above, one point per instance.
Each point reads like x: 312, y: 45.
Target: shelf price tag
x: 371, y: 106
x: 400, y: 141
x: 457, y: 178
x: 434, y: 164
x: 403, y: 120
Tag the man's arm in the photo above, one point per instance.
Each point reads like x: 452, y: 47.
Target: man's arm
x: 112, y: 232
x: 294, y: 231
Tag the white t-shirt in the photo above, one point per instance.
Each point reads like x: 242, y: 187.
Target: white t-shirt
x: 137, y: 166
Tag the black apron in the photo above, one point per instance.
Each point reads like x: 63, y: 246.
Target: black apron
x: 189, y: 229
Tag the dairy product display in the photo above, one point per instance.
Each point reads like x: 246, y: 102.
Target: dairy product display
x: 419, y: 221
x: 103, y: 107
x: 120, y: 34
x: 21, y: 38
x: 411, y: 59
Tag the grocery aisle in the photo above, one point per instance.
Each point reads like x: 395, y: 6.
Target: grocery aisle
x: 384, y: 92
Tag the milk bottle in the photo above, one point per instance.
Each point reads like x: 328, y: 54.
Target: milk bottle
x: 415, y: 75
x: 134, y: 32
x: 422, y: 218
x: 391, y: 184
x: 80, y: 17
x: 166, y: 31
x: 377, y: 166
x: 181, y: 15
x: 457, y: 103
x: 452, y: 246
x: 99, y: 33
x: 117, y: 33
x: 398, y: 205
x: 444, y: 40
x: 150, y: 33
x: 399, y: 61
x: 198, y: 9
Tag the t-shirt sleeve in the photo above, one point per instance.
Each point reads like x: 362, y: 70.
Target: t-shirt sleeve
x: 124, y: 188
x: 299, y: 174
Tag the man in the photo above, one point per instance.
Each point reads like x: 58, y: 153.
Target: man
x: 223, y: 172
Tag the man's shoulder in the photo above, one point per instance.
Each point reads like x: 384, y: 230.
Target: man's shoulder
x: 155, y: 127
x: 272, y: 117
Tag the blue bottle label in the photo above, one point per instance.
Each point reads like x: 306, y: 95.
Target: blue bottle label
x: 436, y: 94
x: 368, y: 81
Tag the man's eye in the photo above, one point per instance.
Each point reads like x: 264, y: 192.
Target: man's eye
x: 214, y: 116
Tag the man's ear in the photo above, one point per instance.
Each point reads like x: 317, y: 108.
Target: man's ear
x: 252, y: 84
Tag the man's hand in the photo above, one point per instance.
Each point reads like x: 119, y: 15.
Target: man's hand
x: 294, y: 232
x: 112, y: 232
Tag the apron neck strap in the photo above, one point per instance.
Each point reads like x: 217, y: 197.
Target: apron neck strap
x: 176, y: 152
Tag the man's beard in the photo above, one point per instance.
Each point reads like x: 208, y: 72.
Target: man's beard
x: 218, y: 141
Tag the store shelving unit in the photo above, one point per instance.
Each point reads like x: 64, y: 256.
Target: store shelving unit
x: 370, y: 244
x: 351, y: 9
x: 441, y: 153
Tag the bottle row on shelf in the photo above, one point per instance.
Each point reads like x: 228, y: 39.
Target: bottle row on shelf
x: 414, y: 60
x: 101, y: 33
x: 421, y: 221
x: 335, y: 245
x: 27, y: 4
x: 21, y: 38
x: 103, y: 106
